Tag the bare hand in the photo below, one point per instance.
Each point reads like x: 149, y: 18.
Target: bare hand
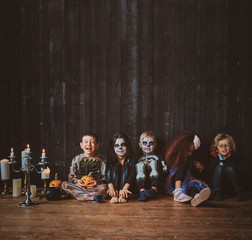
x: 198, y: 165
x: 147, y: 164
x: 92, y: 184
x: 111, y: 191
x: 124, y: 193
x: 79, y: 183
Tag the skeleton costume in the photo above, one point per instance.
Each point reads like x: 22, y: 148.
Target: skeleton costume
x: 143, y: 172
x: 148, y: 172
x: 80, y: 167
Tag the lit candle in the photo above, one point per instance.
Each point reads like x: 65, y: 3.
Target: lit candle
x: 12, y: 153
x: 28, y: 148
x: 43, y: 153
x: 46, y: 173
x: 5, y: 169
x: 16, y: 187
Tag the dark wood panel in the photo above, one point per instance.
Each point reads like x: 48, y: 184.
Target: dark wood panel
x: 108, y: 66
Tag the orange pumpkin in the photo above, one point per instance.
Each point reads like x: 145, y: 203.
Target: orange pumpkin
x: 87, y: 180
x: 55, y: 183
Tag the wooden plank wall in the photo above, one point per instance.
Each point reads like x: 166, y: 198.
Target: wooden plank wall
x: 106, y: 65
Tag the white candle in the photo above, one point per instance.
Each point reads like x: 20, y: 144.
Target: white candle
x: 43, y: 153
x: 12, y: 153
x: 28, y: 148
x: 46, y: 173
x: 23, y: 154
x: 16, y: 187
x: 33, y: 189
x: 5, y: 169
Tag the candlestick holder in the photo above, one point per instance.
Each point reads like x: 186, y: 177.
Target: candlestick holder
x: 24, y: 188
x: 44, y: 186
x: 28, y: 167
x: 5, y: 190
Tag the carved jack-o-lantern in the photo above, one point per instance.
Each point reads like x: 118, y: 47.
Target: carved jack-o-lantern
x: 55, y: 183
x: 87, y: 180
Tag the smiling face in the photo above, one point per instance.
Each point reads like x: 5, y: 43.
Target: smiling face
x: 120, y: 148
x: 89, y: 145
x: 148, y: 145
x: 223, y: 147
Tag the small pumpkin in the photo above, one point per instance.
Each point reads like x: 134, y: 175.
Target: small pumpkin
x: 88, y: 180
x: 55, y: 183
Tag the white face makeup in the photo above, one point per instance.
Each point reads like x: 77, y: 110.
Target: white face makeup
x: 120, y: 147
x: 148, y: 145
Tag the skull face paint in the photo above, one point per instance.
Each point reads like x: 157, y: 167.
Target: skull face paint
x: 148, y: 145
x: 120, y: 147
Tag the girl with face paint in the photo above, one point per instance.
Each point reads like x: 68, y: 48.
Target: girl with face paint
x: 121, y: 169
x: 181, y: 183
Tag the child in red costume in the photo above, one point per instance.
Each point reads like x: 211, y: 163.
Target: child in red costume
x: 222, y: 166
x: 181, y: 183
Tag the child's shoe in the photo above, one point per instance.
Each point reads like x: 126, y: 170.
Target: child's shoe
x: 98, y: 198
x: 201, y: 197
x: 240, y: 196
x: 217, y: 196
x: 179, y: 196
x: 150, y: 193
x: 142, y: 197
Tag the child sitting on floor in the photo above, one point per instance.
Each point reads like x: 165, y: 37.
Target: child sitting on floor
x: 148, y: 167
x: 90, y: 165
x: 180, y: 183
x: 222, y: 166
x: 121, y: 172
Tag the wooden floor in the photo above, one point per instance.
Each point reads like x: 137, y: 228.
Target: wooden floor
x: 157, y: 219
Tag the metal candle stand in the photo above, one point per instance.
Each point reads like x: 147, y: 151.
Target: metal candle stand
x: 28, y: 168
x: 5, y: 187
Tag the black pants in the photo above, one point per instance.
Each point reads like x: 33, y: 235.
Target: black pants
x: 220, y: 173
x: 180, y: 174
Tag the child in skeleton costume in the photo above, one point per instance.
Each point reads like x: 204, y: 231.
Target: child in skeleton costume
x: 87, y: 164
x: 180, y: 182
x: 148, y: 167
x: 121, y: 172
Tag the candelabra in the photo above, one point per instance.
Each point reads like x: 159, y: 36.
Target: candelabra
x: 5, y: 187
x: 27, y: 167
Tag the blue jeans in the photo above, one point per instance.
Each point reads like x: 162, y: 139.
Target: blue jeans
x: 228, y: 173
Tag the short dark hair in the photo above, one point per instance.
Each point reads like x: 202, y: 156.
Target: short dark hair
x: 89, y: 133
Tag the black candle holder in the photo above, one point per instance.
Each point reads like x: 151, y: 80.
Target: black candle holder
x: 28, y: 167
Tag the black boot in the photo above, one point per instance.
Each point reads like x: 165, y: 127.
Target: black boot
x: 217, y: 196
x: 240, y: 196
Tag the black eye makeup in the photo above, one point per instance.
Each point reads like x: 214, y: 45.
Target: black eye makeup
x: 121, y: 145
x: 145, y: 143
